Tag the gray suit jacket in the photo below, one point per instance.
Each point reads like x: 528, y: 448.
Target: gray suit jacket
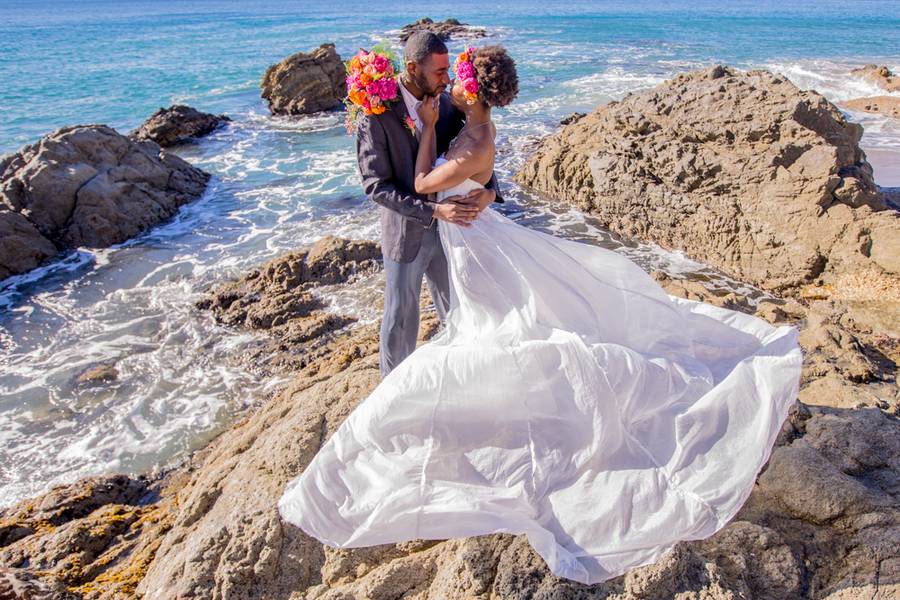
x: 386, y: 152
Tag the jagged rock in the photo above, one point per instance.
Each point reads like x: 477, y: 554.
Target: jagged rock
x: 880, y: 105
x: 880, y: 76
x: 178, y: 123
x: 278, y: 297
x: 741, y: 170
x: 20, y: 584
x: 86, y: 185
x: 305, y: 82
x: 22, y: 247
x: 572, y: 118
x: 444, y: 29
x: 91, y: 539
x: 280, y: 290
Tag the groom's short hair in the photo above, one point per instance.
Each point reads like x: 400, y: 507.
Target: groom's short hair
x: 421, y: 45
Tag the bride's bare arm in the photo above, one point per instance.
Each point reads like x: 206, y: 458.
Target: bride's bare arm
x: 452, y: 172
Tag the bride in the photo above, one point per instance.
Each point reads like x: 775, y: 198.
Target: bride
x: 568, y: 397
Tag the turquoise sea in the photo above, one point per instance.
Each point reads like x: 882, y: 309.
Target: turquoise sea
x: 280, y: 183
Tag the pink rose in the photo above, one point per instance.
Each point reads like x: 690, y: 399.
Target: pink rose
x: 388, y: 88
x: 381, y: 63
x: 470, y: 85
x: 465, y: 70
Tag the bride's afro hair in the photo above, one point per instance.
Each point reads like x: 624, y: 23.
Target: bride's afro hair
x: 498, y: 82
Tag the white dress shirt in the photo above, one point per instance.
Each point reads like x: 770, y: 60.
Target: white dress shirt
x: 412, y: 106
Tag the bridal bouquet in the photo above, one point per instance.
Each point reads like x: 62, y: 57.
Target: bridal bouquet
x: 371, y: 82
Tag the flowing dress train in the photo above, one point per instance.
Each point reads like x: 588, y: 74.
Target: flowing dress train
x: 568, y: 398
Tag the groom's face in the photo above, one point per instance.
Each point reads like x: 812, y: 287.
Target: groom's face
x: 431, y: 76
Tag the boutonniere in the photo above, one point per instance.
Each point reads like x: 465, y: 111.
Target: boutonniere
x: 371, y: 83
x: 411, y: 125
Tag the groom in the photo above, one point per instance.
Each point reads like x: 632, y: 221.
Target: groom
x: 386, y: 151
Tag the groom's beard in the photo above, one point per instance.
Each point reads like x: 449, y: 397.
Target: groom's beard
x: 422, y: 84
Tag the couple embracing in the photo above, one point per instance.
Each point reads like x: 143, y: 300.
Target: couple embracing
x: 396, y: 151
x: 567, y: 397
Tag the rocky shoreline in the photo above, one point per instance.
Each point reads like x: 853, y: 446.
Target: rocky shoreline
x: 823, y: 521
x: 784, y: 200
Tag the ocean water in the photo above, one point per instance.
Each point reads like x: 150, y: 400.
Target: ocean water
x: 280, y: 183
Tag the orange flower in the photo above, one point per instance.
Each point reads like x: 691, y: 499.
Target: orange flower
x: 377, y: 110
x: 357, y: 96
x: 354, y: 63
x: 464, y: 57
x: 365, y: 78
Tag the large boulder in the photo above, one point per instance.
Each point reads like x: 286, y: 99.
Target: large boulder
x: 741, y: 170
x: 444, y: 29
x: 878, y: 75
x: 305, y: 82
x: 178, y: 123
x: 86, y: 185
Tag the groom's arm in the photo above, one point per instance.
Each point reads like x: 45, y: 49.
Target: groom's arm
x: 493, y: 185
x: 378, y: 177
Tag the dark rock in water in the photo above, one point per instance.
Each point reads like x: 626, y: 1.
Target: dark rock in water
x: 178, y: 123
x: 98, y: 375
x: 305, y: 83
x: 444, y: 29
x: 572, y: 118
x: 86, y: 185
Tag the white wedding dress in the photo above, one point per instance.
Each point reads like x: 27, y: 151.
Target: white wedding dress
x: 569, y: 398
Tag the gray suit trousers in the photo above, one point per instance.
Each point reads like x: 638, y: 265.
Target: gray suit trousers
x: 400, y: 322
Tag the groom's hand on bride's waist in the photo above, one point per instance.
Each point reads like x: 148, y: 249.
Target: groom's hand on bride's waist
x: 479, y: 198
x: 455, y: 212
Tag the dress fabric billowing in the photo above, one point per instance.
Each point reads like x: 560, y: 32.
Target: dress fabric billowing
x: 569, y: 398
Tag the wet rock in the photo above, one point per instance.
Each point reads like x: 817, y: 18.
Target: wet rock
x: 178, y: 123
x: 879, y: 75
x: 888, y: 106
x: 305, y: 83
x: 280, y: 290
x: 21, y: 584
x: 741, y: 170
x: 450, y: 28
x: 572, y: 118
x: 91, y: 539
x: 22, y: 247
x: 86, y: 185
x: 279, y: 297
x: 97, y: 375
